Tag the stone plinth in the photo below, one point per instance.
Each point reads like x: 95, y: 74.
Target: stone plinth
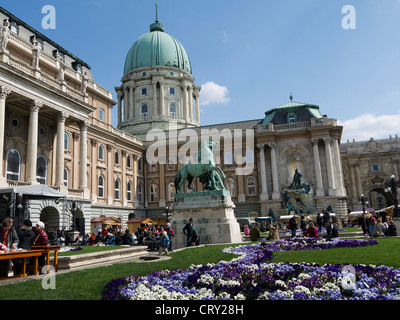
x: 213, y: 217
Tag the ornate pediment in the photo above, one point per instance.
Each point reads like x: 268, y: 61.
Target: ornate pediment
x: 377, y: 180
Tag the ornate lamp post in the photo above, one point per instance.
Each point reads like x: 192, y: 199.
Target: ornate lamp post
x: 392, y: 185
x: 364, y: 201
x: 167, y: 213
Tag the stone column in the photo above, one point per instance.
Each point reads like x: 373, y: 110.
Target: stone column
x: 317, y: 167
x: 329, y: 165
x: 123, y: 187
x: 340, y: 183
x: 83, y: 183
x: 264, y: 190
x: 353, y: 179
x: 163, y: 112
x: 184, y: 103
x: 94, y: 183
x: 4, y: 92
x: 161, y: 197
x: 358, y: 180
x: 197, y: 95
x: 275, y: 182
x: 190, y: 93
x: 155, y: 104
x: 110, y: 179
x: 31, y: 154
x: 135, y: 181
x: 60, y: 150
x: 132, y: 106
x: 126, y: 103
x: 119, y: 96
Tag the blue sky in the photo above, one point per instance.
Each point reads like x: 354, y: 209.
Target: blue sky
x: 249, y: 55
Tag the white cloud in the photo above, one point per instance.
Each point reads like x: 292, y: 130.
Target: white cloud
x: 212, y: 92
x: 368, y: 126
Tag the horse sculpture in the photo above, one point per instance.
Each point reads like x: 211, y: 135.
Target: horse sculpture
x: 205, y: 169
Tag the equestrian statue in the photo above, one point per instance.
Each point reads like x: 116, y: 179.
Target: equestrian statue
x: 205, y: 169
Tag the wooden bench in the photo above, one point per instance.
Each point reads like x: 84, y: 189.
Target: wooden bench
x: 23, y: 254
x: 46, y: 250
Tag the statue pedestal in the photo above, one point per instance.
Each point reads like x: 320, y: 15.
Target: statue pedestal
x: 213, y: 217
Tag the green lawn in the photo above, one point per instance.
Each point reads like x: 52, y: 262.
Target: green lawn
x: 88, y: 284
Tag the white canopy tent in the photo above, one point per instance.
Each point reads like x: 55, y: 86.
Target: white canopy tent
x: 34, y: 190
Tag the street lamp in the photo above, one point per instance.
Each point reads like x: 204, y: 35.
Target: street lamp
x: 392, y: 185
x: 364, y: 201
x: 167, y: 213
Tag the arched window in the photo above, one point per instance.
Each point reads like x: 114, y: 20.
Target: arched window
x: 101, y: 187
x: 13, y: 165
x: 117, y: 189
x: 251, y: 186
x: 153, y: 193
x: 144, y: 111
x: 140, y: 193
x: 171, y: 191
x: 228, y: 158
x: 66, y: 141
x: 101, y: 152
x: 172, y: 110
x: 41, y: 170
x: 129, y: 191
x: 66, y: 177
x: 230, y: 186
x: 117, y: 157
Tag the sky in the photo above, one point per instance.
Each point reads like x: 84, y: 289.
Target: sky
x: 248, y: 56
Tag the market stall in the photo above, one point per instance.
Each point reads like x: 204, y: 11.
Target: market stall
x: 103, y: 223
x: 134, y: 223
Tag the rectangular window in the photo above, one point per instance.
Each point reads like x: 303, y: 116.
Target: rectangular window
x: 101, y: 115
x: 144, y: 91
x: 171, y: 90
x: 375, y: 167
x: 14, y: 28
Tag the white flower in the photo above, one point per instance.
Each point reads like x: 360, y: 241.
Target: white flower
x: 239, y: 296
x: 281, y: 283
x: 302, y: 289
x: 303, y: 276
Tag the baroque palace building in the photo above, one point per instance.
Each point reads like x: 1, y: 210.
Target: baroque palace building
x: 63, y: 162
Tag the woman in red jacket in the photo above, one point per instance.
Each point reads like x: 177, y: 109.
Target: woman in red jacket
x: 312, y: 231
x: 41, y: 239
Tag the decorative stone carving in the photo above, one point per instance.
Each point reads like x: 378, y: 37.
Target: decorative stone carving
x: 5, y: 35
x: 4, y: 92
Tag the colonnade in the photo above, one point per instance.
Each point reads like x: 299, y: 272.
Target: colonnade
x: 32, y: 146
x: 128, y: 94
x: 334, y: 174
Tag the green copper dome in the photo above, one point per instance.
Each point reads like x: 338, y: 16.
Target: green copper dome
x: 157, y: 48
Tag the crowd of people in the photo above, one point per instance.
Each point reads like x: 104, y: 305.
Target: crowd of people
x: 324, y: 226
x: 25, y: 237
x: 374, y: 225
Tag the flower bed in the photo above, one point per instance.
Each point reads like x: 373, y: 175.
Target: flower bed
x: 252, y: 276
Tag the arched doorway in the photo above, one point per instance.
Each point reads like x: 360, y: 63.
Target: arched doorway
x: 379, y: 199
x: 51, y: 218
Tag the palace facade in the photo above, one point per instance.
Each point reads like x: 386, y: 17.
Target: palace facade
x: 64, y: 163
